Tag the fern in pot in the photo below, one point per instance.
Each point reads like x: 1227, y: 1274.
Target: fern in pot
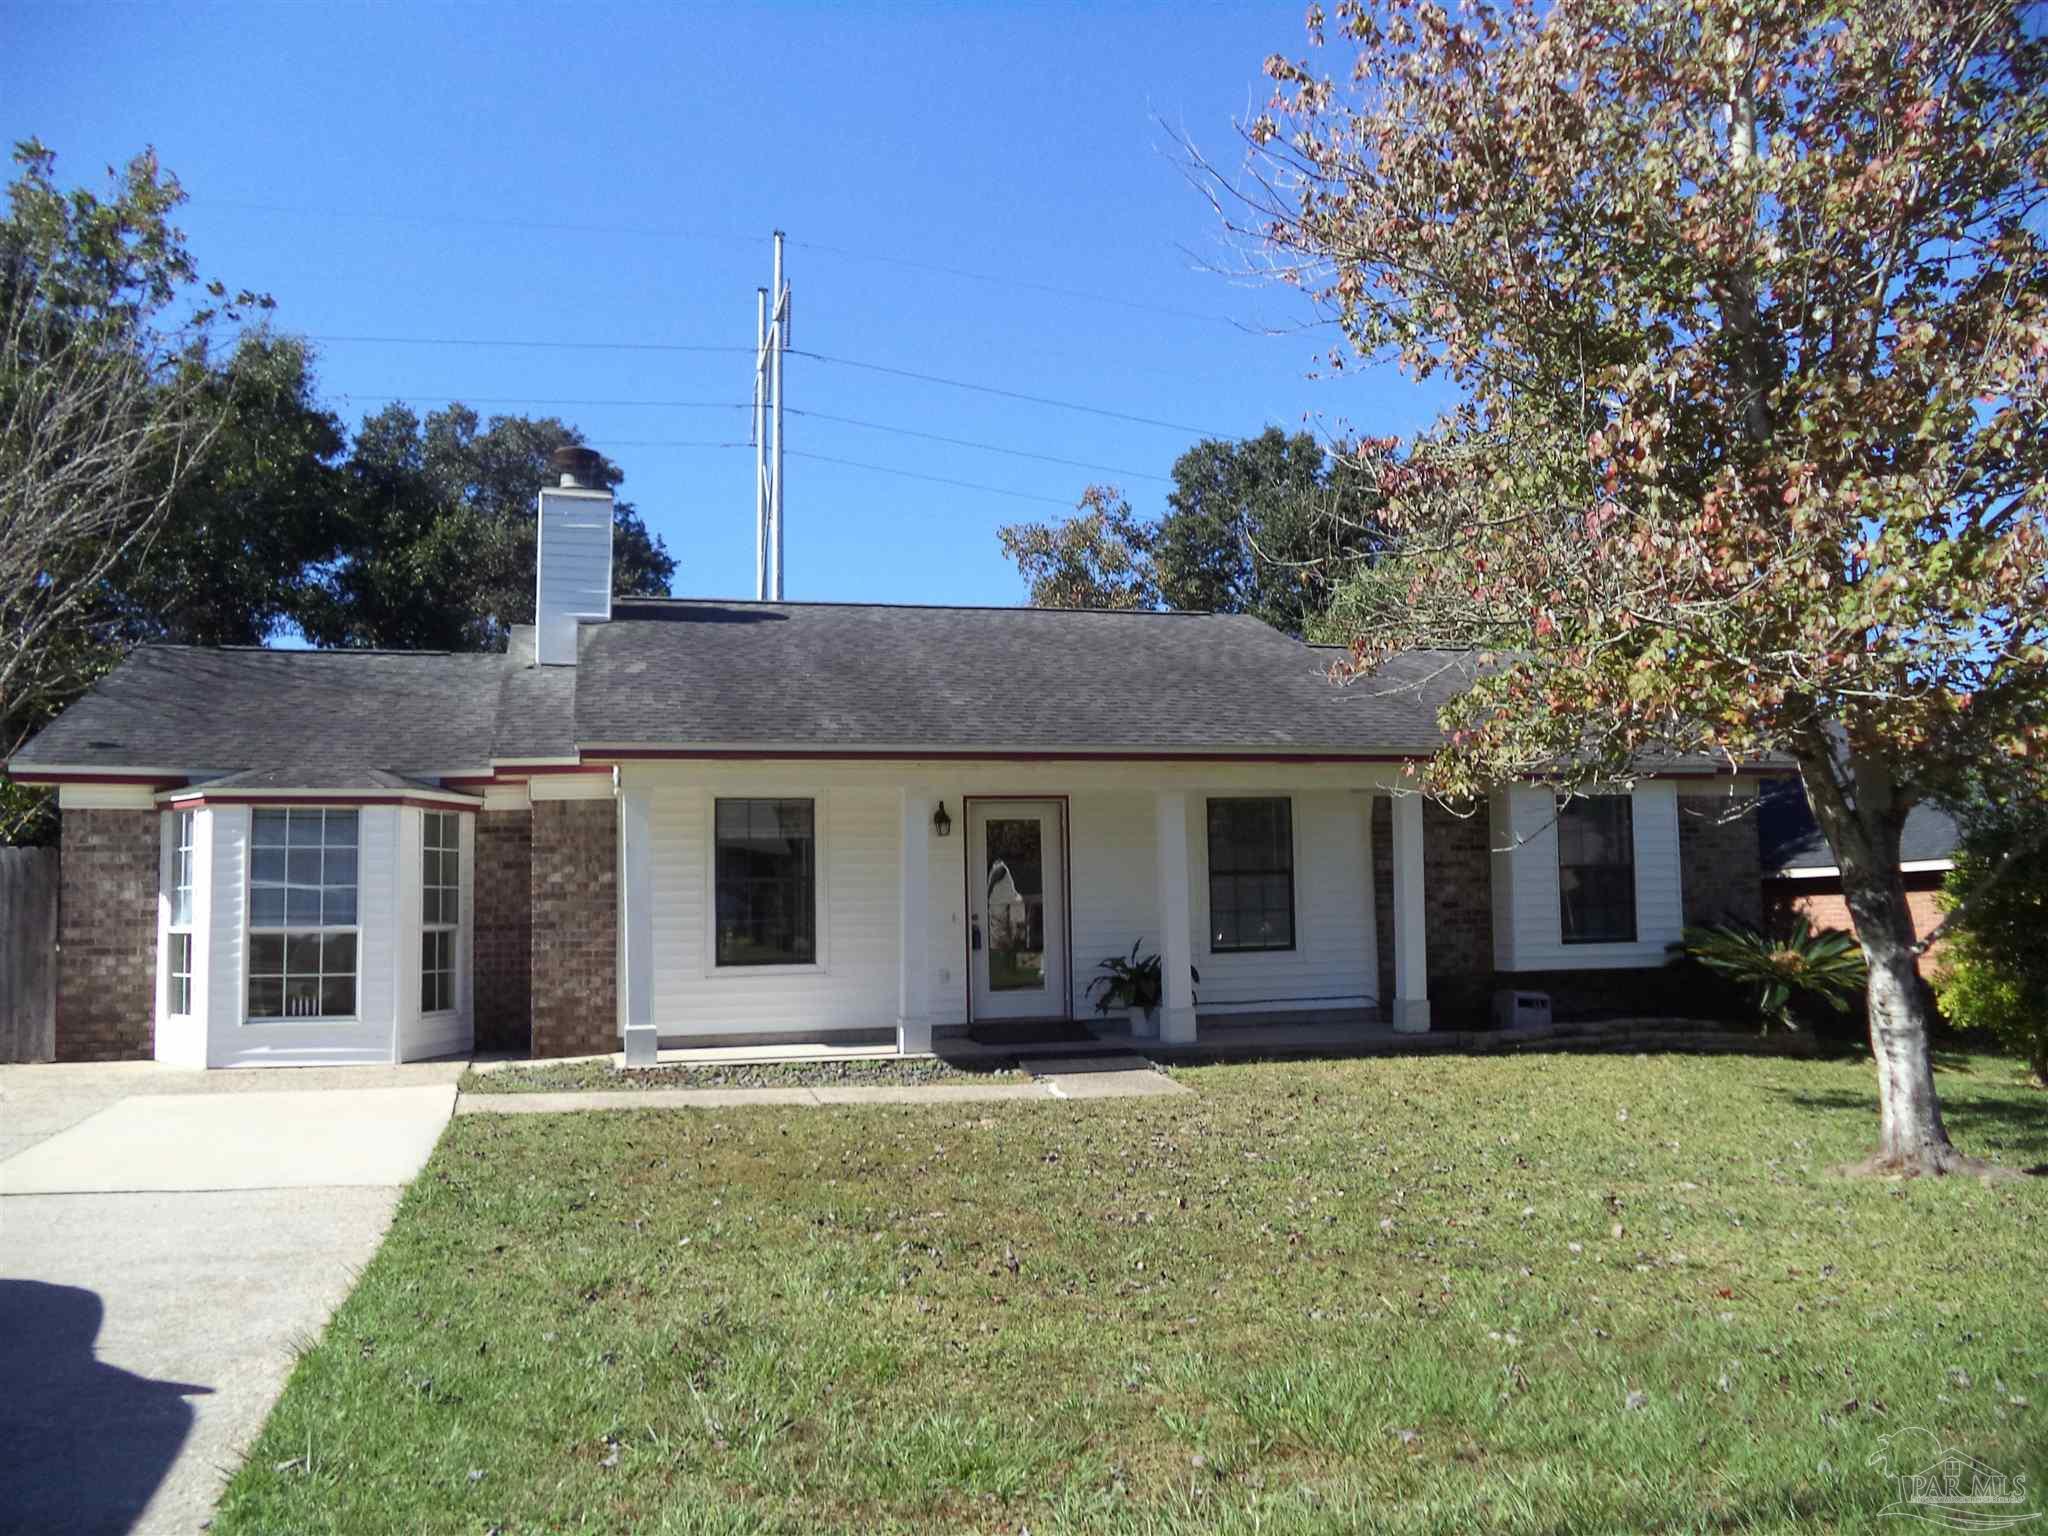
x: 1134, y: 984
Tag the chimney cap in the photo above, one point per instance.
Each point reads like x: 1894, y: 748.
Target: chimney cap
x: 577, y: 467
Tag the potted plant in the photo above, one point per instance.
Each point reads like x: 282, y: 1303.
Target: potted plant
x: 1135, y: 984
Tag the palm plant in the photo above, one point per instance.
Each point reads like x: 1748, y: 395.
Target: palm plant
x: 1782, y: 967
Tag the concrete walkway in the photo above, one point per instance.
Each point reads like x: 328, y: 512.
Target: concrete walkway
x: 168, y: 1240
x: 1093, y: 1077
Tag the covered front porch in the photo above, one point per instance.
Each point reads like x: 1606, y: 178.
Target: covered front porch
x: 983, y: 895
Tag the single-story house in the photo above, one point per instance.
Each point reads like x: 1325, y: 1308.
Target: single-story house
x: 698, y: 820
x: 1800, y: 877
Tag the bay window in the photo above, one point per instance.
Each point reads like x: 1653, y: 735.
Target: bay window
x: 178, y: 962
x: 302, y: 913
x: 440, y: 904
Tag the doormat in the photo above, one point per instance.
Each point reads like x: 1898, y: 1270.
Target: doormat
x: 1029, y: 1032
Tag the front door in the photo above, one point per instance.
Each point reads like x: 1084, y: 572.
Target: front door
x: 1017, y: 918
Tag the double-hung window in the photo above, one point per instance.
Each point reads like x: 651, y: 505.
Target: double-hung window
x: 1596, y: 869
x: 1251, y: 874
x: 178, y: 967
x: 767, y: 882
x: 440, y: 904
x: 302, y: 913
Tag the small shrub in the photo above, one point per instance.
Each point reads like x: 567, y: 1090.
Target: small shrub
x: 1993, y: 977
x: 1782, y: 969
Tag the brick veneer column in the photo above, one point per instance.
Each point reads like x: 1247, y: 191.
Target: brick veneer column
x: 1457, y: 893
x: 504, y: 930
x: 1720, y: 860
x: 106, y: 963
x: 575, y: 927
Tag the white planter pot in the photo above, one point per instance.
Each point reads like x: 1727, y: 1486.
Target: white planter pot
x: 1144, y: 1023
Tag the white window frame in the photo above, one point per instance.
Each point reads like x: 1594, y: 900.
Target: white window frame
x: 449, y: 932
x: 182, y: 843
x: 821, y: 882
x: 1275, y: 953
x: 251, y: 929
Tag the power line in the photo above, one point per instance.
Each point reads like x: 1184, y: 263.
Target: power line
x: 648, y: 232
x: 667, y: 442
x: 816, y: 357
x: 1007, y: 394
x: 461, y: 221
x: 667, y: 405
x: 564, y: 346
x: 964, y: 442
x: 911, y: 474
x: 1018, y: 282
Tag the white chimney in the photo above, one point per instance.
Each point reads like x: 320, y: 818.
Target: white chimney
x: 573, y: 562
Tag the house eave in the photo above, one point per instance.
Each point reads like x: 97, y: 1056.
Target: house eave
x: 1832, y: 872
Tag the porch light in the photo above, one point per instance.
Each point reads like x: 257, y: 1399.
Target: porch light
x: 941, y: 822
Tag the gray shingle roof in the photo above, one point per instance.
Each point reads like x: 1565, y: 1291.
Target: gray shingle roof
x: 1792, y: 839
x: 852, y: 676
x: 217, y: 711
x: 740, y: 675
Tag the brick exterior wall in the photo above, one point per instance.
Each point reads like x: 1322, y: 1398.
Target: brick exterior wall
x: 1720, y: 860
x: 1457, y: 893
x: 504, y: 930
x: 1721, y: 872
x: 1820, y: 902
x: 106, y: 962
x: 575, y: 883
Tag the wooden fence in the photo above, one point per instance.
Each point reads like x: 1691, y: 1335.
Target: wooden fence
x: 28, y: 954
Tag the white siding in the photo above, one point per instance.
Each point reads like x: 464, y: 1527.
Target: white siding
x: 1528, y: 927
x: 1333, y: 963
x: 1115, y: 840
x: 854, y: 984
x: 574, y: 569
x: 1113, y: 862
x: 371, y: 1038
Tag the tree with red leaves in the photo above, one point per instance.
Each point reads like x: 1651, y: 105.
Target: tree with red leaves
x: 1748, y: 306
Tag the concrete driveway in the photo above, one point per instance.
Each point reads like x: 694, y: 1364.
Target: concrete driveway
x: 168, y: 1240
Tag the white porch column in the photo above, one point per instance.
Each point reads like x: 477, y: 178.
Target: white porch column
x: 636, y: 926
x: 913, y: 961
x: 1176, y: 923
x: 1411, y: 925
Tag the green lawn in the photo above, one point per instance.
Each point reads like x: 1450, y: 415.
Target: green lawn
x: 1542, y: 1294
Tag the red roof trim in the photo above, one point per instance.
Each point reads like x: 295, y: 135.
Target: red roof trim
x: 723, y: 754
x: 514, y: 773
x: 155, y: 781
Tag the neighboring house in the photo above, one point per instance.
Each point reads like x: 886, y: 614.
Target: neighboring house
x: 733, y: 821
x: 1800, y: 877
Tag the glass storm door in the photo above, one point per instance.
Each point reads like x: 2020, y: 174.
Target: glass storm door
x: 1017, y: 923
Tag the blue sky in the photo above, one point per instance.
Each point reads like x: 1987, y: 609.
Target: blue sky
x: 606, y: 175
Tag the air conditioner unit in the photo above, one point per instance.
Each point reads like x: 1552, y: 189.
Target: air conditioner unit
x: 1521, y: 1010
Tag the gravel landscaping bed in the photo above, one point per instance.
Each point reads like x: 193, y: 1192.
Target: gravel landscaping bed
x: 561, y: 1076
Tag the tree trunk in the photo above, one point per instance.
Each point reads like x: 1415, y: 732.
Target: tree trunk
x: 1861, y: 813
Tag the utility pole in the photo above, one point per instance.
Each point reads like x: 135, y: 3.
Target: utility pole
x: 771, y: 340
x: 759, y: 434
